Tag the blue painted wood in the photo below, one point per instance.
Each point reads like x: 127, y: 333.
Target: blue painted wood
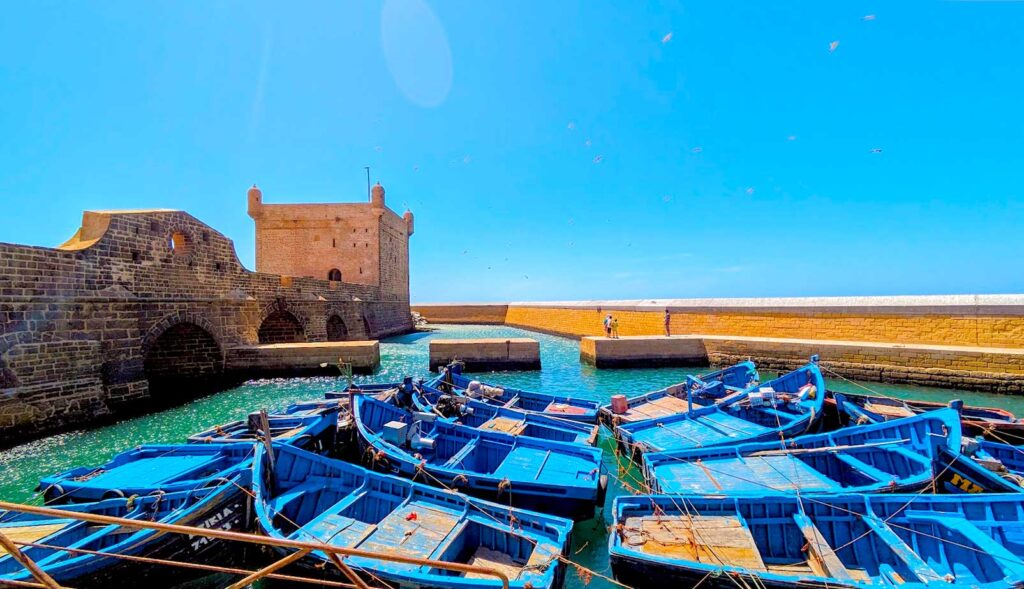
x: 309, y: 497
x: 895, y: 456
x: 451, y: 380
x: 301, y: 425
x: 994, y: 423
x: 477, y: 414
x: 147, y: 469
x: 841, y: 541
x: 223, y: 506
x: 783, y: 407
x: 704, y: 389
x: 562, y: 478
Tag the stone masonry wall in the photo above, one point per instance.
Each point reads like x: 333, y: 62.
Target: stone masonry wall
x: 78, y: 322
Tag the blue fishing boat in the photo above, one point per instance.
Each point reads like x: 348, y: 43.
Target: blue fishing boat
x: 452, y: 381
x: 477, y: 414
x: 981, y: 466
x: 57, y: 544
x: 554, y: 477
x: 313, y: 428
x: 851, y: 541
x: 166, y: 468
x: 784, y: 407
x: 992, y: 422
x: 894, y: 457
x: 701, y: 390
x: 311, y: 498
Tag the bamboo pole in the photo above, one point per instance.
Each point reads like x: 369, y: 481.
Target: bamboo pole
x: 29, y: 564
x: 272, y: 567
x: 174, y: 563
x: 356, y: 579
x: 252, y: 539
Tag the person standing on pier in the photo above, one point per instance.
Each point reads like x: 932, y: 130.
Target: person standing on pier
x: 608, y: 325
x: 615, y: 328
x: 668, y: 323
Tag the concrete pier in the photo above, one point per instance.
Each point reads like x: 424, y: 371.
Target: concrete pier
x: 271, y: 360
x: 520, y: 353
x: 643, y: 351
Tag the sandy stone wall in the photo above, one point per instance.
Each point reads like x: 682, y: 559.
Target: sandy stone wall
x: 973, y: 342
x: 88, y: 327
x: 995, y: 321
x: 483, y: 314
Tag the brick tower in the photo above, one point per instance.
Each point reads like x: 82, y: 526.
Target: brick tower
x: 358, y: 243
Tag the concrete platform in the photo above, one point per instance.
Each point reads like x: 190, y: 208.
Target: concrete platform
x: 643, y: 351
x: 302, y: 359
x: 519, y: 353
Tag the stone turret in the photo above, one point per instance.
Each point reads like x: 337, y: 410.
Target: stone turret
x: 255, y: 201
x: 408, y: 221
x: 377, y: 196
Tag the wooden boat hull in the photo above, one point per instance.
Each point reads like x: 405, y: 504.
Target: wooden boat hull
x: 226, y: 507
x: 991, y: 422
x: 307, y: 496
x: 788, y: 542
x: 513, y: 421
x: 892, y: 457
x: 674, y: 399
x: 552, y: 477
x: 148, y: 469
x: 582, y: 409
x: 761, y: 413
x: 316, y: 430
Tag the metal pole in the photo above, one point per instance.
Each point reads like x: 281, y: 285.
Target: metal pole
x: 16, y: 553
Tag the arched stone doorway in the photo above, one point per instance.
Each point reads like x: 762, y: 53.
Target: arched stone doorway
x: 336, y: 329
x: 281, y: 327
x: 184, y: 360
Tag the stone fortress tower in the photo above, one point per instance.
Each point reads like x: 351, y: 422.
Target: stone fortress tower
x: 356, y: 243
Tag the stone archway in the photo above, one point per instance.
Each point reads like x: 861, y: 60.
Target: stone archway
x: 281, y: 327
x: 184, y: 359
x: 337, y: 331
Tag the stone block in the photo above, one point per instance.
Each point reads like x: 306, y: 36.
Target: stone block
x: 481, y: 354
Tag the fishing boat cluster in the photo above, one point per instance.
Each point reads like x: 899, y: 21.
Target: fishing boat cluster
x: 742, y: 483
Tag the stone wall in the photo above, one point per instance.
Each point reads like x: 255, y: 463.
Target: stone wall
x: 480, y: 314
x: 88, y: 327
x: 973, y: 342
x: 366, y: 243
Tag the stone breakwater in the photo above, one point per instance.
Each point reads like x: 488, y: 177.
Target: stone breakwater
x: 970, y: 342
x: 147, y: 306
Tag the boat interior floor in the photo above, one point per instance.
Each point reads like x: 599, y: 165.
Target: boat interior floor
x: 758, y: 473
x: 655, y: 408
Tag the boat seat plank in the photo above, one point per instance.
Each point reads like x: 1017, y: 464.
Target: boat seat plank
x: 752, y: 473
x: 537, y: 464
x: 32, y: 533
x: 822, y: 556
x: 719, y: 540
x: 697, y: 432
x: 459, y: 456
x: 564, y: 409
x: 152, y: 471
x: 492, y: 559
x: 889, y: 411
x: 505, y: 424
x: 419, y: 535
x: 879, y: 475
x: 337, y: 530
x: 915, y: 563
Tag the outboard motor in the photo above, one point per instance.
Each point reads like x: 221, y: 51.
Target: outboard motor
x: 403, y: 397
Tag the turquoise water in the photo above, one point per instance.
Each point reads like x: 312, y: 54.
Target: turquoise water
x: 21, y: 467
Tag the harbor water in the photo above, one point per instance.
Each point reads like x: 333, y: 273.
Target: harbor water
x: 21, y: 467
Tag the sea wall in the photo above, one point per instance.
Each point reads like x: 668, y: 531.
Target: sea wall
x: 144, y: 307
x: 962, y: 341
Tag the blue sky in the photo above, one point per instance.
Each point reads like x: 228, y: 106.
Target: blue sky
x: 550, y: 150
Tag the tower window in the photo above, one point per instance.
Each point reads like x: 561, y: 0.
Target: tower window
x: 334, y: 242
x: 334, y: 275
